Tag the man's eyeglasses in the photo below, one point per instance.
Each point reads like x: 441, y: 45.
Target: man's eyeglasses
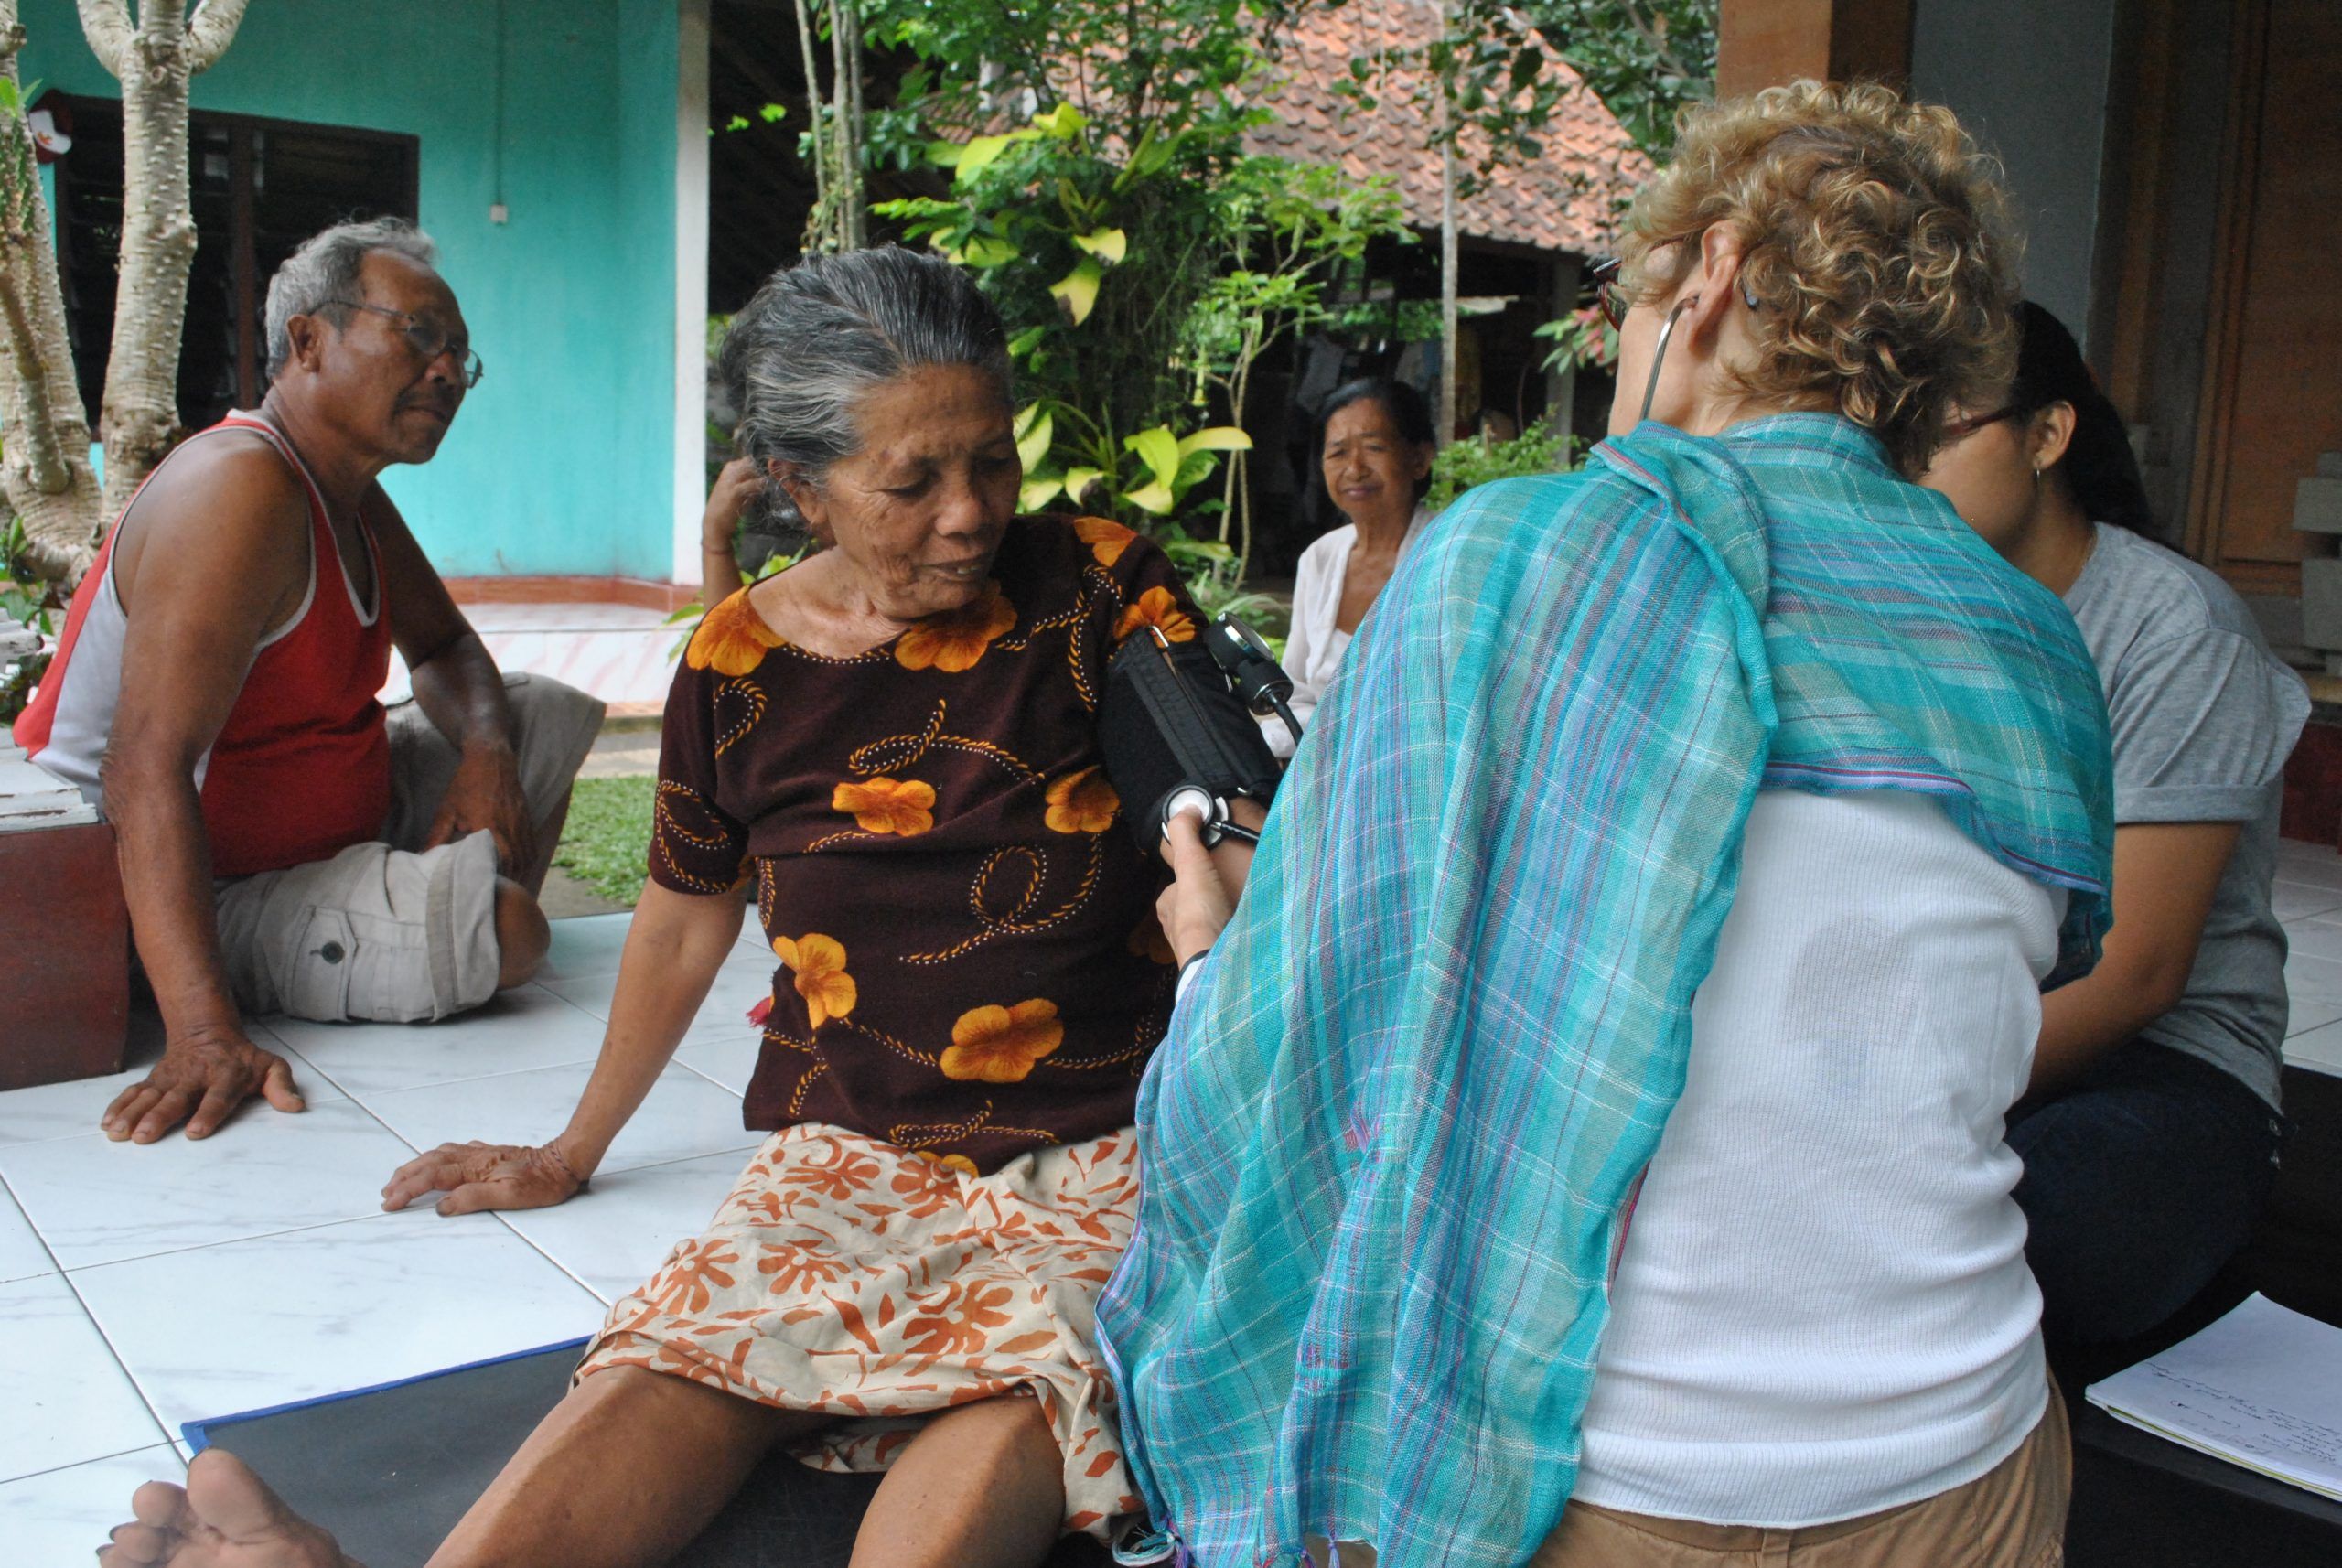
x: 425, y: 338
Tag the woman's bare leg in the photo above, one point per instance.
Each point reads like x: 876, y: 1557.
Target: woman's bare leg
x: 983, y: 1485
x: 623, y: 1474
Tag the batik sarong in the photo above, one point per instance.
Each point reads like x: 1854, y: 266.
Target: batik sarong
x: 852, y: 1277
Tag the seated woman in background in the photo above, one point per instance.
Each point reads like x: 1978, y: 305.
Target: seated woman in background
x: 1375, y: 448
x: 1582, y: 1146
x: 896, y: 740
x: 2150, y: 1130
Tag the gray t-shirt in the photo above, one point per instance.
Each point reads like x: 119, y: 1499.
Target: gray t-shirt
x: 2203, y: 716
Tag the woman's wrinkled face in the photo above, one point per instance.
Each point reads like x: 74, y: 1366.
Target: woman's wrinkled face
x: 1371, y: 469
x: 1987, y: 474
x: 920, y: 510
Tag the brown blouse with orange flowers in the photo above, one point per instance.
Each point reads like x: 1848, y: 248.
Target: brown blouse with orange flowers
x: 970, y: 962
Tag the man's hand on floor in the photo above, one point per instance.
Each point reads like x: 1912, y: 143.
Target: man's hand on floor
x: 478, y: 1175
x: 486, y: 793
x: 200, y: 1081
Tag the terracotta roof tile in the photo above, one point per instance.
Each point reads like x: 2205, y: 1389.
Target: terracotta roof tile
x: 1568, y: 199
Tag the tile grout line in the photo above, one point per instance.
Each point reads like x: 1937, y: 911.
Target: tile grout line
x: 567, y: 1272
x: 97, y: 1459
x: 90, y: 1317
x: 137, y: 1384
x: 57, y: 1263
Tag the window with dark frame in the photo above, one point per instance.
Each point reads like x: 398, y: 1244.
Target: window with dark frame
x: 259, y: 187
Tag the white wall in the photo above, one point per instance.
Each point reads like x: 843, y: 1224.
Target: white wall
x: 2028, y: 78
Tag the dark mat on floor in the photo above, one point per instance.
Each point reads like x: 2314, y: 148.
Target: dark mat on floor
x: 390, y: 1470
x: 2142, y: 1502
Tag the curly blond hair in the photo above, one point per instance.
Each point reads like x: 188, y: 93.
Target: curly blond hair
x: 1877, y: 252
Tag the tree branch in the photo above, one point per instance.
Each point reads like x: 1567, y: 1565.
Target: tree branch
x: 209, y: 32
x: 107, y: 24
x: 36, y: 433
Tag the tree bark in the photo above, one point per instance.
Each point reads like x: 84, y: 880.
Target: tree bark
x: 816, y: 229
x: 140, y: 414
x: 1447, y: 315
x: 845, y: 124
x: 1447, y: 355
x: 46, y: 470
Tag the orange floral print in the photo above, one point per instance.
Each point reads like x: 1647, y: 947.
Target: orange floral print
x: 1000, y: 1045
x: 820, y: 962
x: 792, y: 1267
x: 686, y: 1285
x: 883, y: 805
x: 961, y: 1321
x: 1157, y: 609
x: 955, y: 642
x: 910, y: 1293
x: 732, y: 638
x: 843, y: 1173
x: 1107, y: 539
x: 1083, y: 802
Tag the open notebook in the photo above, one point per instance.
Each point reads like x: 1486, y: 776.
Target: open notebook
x: 2261, y: 1387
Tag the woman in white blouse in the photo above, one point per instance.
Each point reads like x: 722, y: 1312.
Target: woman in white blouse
x: 1375, y: 447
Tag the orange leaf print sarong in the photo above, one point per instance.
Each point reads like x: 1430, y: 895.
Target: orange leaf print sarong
x: 851, y: 1276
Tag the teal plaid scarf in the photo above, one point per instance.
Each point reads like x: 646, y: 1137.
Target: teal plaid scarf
x: 1388, y: 1138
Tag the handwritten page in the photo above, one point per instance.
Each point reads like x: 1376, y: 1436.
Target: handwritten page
x: 2261, y: 1387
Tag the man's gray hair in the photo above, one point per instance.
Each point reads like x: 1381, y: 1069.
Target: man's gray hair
x: 325, y: 269
x: 819, y: 336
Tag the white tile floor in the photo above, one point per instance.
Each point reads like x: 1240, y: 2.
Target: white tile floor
x: 142, y: 1288
x: 620, y: 653
x: 145, y: 1287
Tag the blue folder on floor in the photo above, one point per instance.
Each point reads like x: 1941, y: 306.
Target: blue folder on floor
x: 389, y: 1469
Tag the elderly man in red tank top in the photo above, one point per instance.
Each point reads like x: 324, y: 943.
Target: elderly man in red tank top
x: 287, y: 845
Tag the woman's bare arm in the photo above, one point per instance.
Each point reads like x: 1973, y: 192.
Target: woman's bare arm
x: 674, y: 947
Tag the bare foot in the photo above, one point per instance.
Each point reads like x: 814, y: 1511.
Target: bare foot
x: 223, y: 1517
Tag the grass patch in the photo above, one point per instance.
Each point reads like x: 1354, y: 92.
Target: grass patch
x: 606, y: 842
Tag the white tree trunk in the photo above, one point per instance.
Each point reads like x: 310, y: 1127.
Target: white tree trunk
x: 1447, y: 333
x: 46, y: 472
x: 1448, y: 355
x: 140, y: 415
x: 816, y: 228
x: 845, y: 96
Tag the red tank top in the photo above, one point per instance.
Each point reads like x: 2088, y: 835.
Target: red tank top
x: 302, y: 768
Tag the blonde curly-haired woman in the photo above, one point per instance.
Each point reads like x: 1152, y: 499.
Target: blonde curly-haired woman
x: 1621, y: 1180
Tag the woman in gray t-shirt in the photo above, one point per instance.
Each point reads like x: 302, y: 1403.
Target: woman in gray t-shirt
x: 2151, y: 1128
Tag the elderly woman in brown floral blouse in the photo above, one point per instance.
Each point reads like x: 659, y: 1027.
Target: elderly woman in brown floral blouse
x: 895, y: 741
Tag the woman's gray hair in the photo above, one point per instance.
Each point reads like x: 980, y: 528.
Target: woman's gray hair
x: 325, y: 269
x: 821, y: 335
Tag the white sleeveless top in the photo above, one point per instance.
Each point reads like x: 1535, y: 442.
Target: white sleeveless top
x: 1822, y: 1308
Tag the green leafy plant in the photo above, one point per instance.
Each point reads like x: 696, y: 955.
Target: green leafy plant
x: 1461, y: 464
x: 606, y: 842
x: 1285, y: 230
x: 29, y: 599
x: 1645, y: 58
x: 1583, y: 337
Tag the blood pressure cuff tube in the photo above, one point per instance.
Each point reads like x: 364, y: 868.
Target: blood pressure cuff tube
x: 1169, y: 719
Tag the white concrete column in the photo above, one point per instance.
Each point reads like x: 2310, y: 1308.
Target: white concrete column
x: 691, y: 284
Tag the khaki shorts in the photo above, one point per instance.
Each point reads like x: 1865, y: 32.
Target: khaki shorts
x: 388, y: 931
x: 2012, y: 1516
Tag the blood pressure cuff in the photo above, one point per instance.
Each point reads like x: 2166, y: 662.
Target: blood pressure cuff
x: 1170, y: 719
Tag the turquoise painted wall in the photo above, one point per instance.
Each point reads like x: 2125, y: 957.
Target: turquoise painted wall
x: 562, y: 459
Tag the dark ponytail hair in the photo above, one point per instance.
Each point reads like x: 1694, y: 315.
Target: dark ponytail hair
x: 2099, y: 468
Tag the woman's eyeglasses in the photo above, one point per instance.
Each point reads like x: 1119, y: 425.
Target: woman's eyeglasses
x: 1960, y: 427
x: 1609, y: 294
